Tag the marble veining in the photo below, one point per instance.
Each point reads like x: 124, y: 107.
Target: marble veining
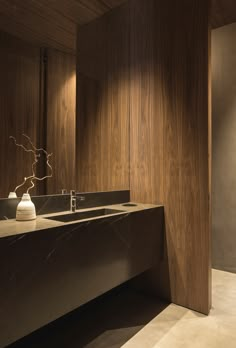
x: 49, y: 268
x: 12, y: 227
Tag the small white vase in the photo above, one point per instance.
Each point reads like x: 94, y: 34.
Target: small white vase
x: 25, y: 209
x: 12, y: 195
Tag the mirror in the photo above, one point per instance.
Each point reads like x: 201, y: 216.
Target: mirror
x: 86, y: 127
x: 38, y: 99
x: 103, y: 104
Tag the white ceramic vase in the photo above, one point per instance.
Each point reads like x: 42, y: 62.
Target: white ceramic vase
x: 25, y: 209
x: 12, y: 195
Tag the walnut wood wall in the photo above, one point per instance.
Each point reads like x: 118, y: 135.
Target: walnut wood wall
x: 166, y: 44
x: 61, y: 105
x: 169, y: 135
x: 103, y: 104
x: 19, y: 107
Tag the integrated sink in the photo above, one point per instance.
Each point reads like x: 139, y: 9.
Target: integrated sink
x: 84, y: 214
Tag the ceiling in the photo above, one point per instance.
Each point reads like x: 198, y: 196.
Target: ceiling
x: 51, y: 22
x: 223, y: 12
x: 54, y: 22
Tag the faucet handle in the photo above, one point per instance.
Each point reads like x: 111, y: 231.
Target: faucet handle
x: 72, y: 192
x: 63, y: 191
x: 73, y: 204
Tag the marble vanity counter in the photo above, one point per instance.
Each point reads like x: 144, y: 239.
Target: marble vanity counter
x: 49, y: 268
x: 11, y: 227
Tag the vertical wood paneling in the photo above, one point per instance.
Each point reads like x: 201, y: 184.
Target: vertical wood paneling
x: 61, y: 104
x: 210, y: 155
x: 103, y: 105
x: 42, y: 124
x: 19, y: 108
x: 167, y: 96
x: 146, y: 99
x: 169, y: 135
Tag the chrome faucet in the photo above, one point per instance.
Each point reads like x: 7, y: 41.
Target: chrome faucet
x: 73, y: 200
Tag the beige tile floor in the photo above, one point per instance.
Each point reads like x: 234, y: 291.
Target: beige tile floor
x: 178, y: 327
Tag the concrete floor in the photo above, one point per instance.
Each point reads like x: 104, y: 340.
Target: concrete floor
x: 177, y: 327
x: 128, y: 319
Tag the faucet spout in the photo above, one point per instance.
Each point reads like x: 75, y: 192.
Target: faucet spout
x: 73, y: 200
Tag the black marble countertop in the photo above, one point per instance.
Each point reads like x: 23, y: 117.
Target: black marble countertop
x: 11, y: 227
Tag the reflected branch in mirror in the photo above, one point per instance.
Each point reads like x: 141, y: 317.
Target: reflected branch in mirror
x: 46, y: 176
x: 36, y: 154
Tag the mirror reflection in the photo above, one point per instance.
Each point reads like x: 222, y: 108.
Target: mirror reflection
x: 37, y: 99
x: 84, y: 123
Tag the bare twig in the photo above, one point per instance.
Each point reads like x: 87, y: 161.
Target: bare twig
x: 35, y: 151
x: 35, y: 148
x: 40, y: 179
x: 29, y: 177
x: 20, y: 145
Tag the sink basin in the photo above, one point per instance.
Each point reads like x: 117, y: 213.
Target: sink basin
x: 84, y: 215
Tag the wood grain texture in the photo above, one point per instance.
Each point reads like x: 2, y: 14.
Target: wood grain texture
x: 42, y: 124
x: 146, y: 107
x: 169, y: 135
x: 50, y: 23
x: 61, y: 103
x: 81, y: 11
x: 210, y: 163
x: 222, y: 12
x: 103, y: 105
x: 167, y: 99
x: 53, y: 23
x: 19, y: 105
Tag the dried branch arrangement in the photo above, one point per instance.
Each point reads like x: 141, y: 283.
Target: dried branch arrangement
x: 36, y: 153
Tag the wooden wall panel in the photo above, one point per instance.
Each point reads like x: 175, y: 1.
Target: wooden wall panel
x: 169, y: 135
x: 154, y: 67
x: 61, y: 105
x: 103, y: 104
x: 210, y: 164
x: 19, y: 108
x: 146, y: 106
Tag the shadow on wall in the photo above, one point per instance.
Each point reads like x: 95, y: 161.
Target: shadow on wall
x: 223, y: 148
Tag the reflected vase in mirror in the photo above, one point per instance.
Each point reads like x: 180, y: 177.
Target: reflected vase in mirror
x: 12, y: 195
x: 25, y: 210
